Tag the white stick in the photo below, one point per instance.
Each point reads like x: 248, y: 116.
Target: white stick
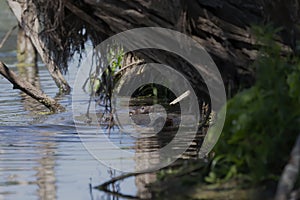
x: 181, y: 97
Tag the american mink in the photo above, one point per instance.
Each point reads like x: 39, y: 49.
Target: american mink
x: 140, y: 115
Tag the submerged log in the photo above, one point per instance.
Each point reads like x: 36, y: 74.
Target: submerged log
x: 29, y: 89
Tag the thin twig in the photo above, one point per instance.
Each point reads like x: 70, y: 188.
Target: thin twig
x: 181, y: 97
x: 119, y: 194
x: 5, y: 38
x: 104, y: 185
x: 129, y: 65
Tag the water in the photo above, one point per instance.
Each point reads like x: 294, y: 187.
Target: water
x: 43, y: 157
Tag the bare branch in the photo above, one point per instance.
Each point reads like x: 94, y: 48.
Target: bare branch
x: 29, y: 89
x: 5, y: 38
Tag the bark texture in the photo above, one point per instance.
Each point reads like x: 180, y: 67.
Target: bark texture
x: 27, y: 16
x: 24, y: 86
x: 223, y: 28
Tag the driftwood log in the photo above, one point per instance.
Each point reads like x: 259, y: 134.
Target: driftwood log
x: 289, y: 176
x: 27, y: 16
x: 29, y: 89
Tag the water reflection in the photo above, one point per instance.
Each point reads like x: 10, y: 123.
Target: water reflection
x: 28, y: 70
x: 46, y: 177
x: 45, y: 150
x: 42, y: 157
x: 145, y: 148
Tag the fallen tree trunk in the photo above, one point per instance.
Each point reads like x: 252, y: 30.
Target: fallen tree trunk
x: 223, y: 28
x: 29, y: 89
x: 27, y: 16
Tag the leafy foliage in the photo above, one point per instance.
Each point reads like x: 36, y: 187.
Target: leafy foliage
x: 115, y: 58
x: 107, y: 78
x: 262, y: 122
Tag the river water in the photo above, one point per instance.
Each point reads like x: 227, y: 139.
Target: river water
x: 41, y: 156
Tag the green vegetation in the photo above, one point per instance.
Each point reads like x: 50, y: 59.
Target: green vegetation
x: 262, y: 122
x: 102, y: 82
x: 115, y: 59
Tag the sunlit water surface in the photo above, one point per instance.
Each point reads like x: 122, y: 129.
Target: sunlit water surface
x: 41, y: 156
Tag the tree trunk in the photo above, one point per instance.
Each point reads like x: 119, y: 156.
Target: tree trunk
x: 221, y: 27
x: 27, y: 16
x: 29, y: 89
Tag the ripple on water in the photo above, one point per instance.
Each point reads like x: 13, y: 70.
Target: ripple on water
x: 42, y: 157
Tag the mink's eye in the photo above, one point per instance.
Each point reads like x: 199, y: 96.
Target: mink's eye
x: 142, y: 108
